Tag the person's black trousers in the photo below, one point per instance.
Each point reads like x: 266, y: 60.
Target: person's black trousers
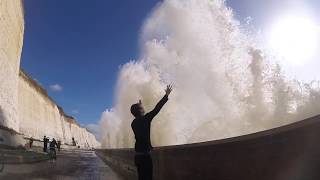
x: 144, y: 165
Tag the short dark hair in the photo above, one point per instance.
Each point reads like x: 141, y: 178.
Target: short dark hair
x: 135, y: 109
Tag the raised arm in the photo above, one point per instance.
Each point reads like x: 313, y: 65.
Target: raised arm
x: 160, y: 104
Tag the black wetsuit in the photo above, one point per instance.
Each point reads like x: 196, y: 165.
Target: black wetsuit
x: 141, y: 128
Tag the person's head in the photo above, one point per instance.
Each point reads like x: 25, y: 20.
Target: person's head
x: 137, y: 109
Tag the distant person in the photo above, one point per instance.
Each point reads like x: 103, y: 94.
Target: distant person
x: 30, y: 142
x: 58, y: 145
x: 141, y: 128
x: 45, y: 143
x: 53, y: 152
x: 73, y: 142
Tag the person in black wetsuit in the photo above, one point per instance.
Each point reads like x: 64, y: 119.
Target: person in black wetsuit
x: 141, y: 128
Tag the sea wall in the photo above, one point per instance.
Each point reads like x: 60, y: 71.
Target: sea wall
x: 11, y: 39
x: 39, y: 115
x: 284, y: 153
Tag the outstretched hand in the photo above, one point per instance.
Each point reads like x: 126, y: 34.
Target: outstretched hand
x: 168, y: 89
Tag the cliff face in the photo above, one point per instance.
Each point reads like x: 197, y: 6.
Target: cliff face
x: 25, y: 107
x: 39, y: 115
x: 11, y: 38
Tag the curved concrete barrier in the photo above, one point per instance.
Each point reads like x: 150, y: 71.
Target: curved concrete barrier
x: 289, y: 152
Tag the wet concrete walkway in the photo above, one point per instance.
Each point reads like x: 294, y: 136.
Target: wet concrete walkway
x: 70, y: 165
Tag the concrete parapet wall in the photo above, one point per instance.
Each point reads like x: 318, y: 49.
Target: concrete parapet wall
x: 121, y: 160
x: 290, y: 152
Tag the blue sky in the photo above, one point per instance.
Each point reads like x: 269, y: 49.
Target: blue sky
x: 79, y: 45
x: 74, y: 47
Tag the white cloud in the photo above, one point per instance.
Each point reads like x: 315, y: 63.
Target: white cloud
x: 56, y: 87
x: 75, y: 111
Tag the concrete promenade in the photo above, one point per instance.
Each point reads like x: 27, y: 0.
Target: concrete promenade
x: 70, y: 165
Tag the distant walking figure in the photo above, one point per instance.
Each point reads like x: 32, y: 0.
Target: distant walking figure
x: 53, y: 145
x: 30, y: 142
x: 45, y: 143
x: 58, y: 145
x: 141, y: 128
x: 73, y: 142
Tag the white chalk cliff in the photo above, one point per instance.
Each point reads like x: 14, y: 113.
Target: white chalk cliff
x: 25, y: 106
